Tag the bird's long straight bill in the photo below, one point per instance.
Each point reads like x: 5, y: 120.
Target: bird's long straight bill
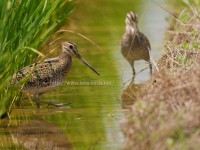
x: 85, y: 62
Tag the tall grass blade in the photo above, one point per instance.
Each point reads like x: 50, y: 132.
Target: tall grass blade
x: 24, y: 27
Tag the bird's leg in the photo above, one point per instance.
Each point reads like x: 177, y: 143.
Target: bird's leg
x: 36, y: 99
x: 132, y: 65
x: 150, y: 67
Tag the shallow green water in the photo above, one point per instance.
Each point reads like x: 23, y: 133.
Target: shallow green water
x: 92, y: 120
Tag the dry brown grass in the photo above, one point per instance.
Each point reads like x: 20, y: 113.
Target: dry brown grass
x: 166, y: 114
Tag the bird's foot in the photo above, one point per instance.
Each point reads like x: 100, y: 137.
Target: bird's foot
x: 55, y: 103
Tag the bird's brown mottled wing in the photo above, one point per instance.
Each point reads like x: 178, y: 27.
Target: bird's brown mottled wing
x: 148, y: 43
x: 144, y: 40
x: 38, y: 74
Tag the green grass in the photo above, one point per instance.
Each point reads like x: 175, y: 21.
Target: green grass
x: 24, y: 27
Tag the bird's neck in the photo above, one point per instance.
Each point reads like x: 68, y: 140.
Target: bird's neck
x: 65, y: 62
x: 65, y: 59
x: 132, y: 30
x: 64, y: 56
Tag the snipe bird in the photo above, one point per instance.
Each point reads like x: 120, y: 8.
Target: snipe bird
x: 44, y: 76
x: 134, y: 44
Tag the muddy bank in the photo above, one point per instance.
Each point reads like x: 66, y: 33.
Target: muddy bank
x: 166, y: 112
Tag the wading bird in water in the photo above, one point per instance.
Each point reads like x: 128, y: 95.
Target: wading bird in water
x: 44, y: 76
x: 134, y: 44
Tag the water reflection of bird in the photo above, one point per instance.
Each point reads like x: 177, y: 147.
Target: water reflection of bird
x: 40, y: 135
x: 129, y: 95
x: 45, y: 76
x: 134, y: 44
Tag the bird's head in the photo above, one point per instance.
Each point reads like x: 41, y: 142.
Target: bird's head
x: 131, y: 18
x: 70, y: 49
x: 131, y: 23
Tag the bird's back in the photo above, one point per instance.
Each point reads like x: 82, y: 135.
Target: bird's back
x: 44, y: 76
x: 134, y: 44
x: 135, y: 48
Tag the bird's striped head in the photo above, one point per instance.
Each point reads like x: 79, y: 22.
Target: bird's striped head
x: 131, y: 18
x: 131, y: 23
x: 70, y: 48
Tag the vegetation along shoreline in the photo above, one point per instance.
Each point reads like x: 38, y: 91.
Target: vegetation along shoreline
x: 165, y: 114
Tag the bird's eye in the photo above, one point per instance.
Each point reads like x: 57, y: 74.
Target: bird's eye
x: 71, y: 47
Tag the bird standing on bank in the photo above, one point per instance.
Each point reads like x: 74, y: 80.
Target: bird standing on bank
x: 134, y: 44
x: 44, y: 76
